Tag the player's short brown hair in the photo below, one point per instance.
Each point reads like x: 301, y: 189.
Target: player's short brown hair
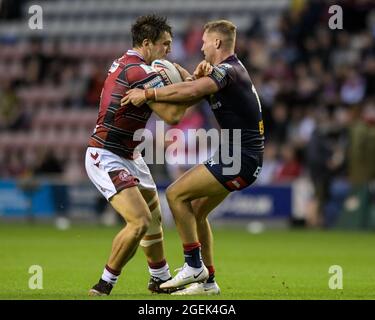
x: 223, y: 27
x: 149, y: 27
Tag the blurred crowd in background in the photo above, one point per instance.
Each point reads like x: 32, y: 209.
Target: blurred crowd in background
x: 316, y: 86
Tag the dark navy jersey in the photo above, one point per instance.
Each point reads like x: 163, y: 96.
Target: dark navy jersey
x: 236, y: 105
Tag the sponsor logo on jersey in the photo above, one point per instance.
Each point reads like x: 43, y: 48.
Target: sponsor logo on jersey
x: 157, y: 82
x: 218, y: 73
x: 113, y: 67
x: 261, y: 127
x: 216, y: 105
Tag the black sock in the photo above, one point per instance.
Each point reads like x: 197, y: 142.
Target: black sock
x: 211, y: 278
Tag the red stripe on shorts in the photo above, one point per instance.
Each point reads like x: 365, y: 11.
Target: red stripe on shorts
x: 122, y: 179
x: 236, y: 184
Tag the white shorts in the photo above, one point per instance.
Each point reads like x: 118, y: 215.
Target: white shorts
x: 111, y: 173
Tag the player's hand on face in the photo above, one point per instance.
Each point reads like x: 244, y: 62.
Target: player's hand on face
x: 203, y: 69
x: 135, y: 97
x: 183, y: 72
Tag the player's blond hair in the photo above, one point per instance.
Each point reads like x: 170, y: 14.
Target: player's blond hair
x: 225, y: 28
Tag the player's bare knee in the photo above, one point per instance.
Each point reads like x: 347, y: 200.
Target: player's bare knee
x: 170, y: 194
x: 140, y: 226
x: 140, y: 230
x: 155, y: 226
x: 173, y: 194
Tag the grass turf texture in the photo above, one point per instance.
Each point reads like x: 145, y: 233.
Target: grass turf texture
x: 271, y: 265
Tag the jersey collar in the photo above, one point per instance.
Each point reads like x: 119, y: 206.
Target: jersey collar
x: 135, y: 53
x: 230, y: 58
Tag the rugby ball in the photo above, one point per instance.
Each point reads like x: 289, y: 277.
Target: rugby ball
x: 167, y: 70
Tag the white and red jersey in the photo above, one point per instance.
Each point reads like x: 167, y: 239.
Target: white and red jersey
x: 116, y: 125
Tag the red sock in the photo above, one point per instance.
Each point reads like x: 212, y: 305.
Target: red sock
x: 191, y: 246
x: 211, y: 270
x: 114, y: 272
x: 157, y: 265
x: 211, y: 274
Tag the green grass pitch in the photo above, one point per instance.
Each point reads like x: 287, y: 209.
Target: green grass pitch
x: 270, y: 265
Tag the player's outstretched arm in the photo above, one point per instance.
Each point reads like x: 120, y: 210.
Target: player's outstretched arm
x: 179, y: 92
x: 138, y: 97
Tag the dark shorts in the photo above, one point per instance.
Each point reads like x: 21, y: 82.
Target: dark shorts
x: 235, y: 177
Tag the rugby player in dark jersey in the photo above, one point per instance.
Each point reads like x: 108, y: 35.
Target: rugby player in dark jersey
x: 235, y: 104
x: 113, y: 163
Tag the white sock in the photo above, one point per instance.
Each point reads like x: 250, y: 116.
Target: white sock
x: 109, y: 277
x: 162, y: 273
